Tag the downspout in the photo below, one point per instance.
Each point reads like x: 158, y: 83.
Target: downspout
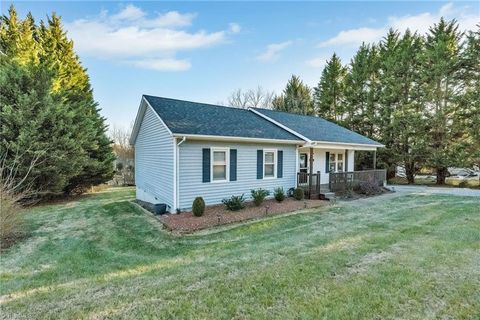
x: 177, y: 171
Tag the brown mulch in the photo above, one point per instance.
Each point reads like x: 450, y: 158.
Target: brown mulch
x: 217, y: 215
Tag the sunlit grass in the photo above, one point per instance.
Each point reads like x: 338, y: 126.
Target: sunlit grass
x: 411, y: 257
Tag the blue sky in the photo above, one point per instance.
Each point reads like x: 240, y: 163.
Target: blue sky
x: 202, y: 51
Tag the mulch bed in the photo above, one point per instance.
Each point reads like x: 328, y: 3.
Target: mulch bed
x: 217, y: 215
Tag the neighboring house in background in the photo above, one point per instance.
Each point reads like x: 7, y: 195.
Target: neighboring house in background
x: 186, y: 149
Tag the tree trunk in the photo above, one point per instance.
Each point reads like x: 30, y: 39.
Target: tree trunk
x: 441, y: 175
x: 410, y: 172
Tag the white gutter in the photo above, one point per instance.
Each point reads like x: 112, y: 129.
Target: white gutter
x: 352, y: 144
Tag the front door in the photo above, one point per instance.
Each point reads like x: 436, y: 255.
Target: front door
x: 303, y: 161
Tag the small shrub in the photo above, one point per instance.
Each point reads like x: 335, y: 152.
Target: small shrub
x: 298, y: 194
x: 259, y: 195
x: 198, y: 207
x: 234, y: 203
x: 279, y: 194
x: 369, y: 187
x: 349, y: 193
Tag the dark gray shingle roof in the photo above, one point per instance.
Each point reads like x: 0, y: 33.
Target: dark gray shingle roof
x: 317, y: 129
x: 185, y: 117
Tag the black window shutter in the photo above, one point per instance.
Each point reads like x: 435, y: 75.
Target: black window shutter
x: 233, y: 164
x: 346, y: 161
x: 327, y: 162
x: 259, y: 164
x: 206, y: 165
x: 280, y: 164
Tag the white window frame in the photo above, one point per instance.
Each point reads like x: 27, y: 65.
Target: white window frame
x: 338, y: 161
x: 335, y: 154
x: 227, y: 164
x: 274, y: 163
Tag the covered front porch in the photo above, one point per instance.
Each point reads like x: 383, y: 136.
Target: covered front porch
x: 325, y: 169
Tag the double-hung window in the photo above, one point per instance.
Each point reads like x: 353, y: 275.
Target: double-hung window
x: 336, y: 162
x: 219, y: 164
x: 269, y: 158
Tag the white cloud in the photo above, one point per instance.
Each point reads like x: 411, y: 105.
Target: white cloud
x: 318, y: 62
x: 163, y: 64
x: 273, y: 51
x: 467, y: 18
x: 130, y: 12
x: 130, y: 35
x: 234, y: 27
x: 354, y: 37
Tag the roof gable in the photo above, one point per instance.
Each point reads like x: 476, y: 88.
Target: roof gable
x: 316, y: 128
x: 185, y: 117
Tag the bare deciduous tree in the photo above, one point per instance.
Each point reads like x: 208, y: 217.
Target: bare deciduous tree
x: 124, y: 153
x: 251, y: 98
x: 14, y: 190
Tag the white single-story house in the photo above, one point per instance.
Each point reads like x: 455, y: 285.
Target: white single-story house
x: 186, y: 149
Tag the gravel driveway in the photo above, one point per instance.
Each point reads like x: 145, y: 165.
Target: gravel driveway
x: 436, y: 190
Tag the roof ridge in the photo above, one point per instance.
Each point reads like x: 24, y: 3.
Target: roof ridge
x: 196, y: 102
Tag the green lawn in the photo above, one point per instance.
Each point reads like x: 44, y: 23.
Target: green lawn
x: 409, y: 257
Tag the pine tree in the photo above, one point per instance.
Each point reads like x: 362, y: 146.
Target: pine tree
x: 361, y: 86
x: 388, y: 98
x: 408, y: 121
x: 48, y: 48
x: 469, y: 99
x: 72, y: 82
x: 296, y: 98
x: 441, y: 66
x: 17, y: 38
x: 36, y: 125
x: 329, y: 95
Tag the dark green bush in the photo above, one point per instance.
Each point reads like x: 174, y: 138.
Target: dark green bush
x: 234, y: 203
x: 259, y: 195
x: 298, y: 194
x: 198, y: 207
x: 279, y: 194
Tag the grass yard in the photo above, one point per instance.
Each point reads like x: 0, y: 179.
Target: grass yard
x: 409, y: 257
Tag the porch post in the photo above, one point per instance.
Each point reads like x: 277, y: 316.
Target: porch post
x: 375, y: 159
x: 310, y: 175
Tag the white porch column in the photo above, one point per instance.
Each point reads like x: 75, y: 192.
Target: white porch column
x: 351, y: 160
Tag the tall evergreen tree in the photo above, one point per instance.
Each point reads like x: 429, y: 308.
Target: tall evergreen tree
x: 329, y: 95
x: 17, y: 37
x: 37, y: 125
x: 388, y: 98
x: 72, y: 82
x: 469, y: 99
x: 408, y: 120
x: 52, y: 51
x: 361, y: 87
x: 296, y: 98
x: 441, y: 66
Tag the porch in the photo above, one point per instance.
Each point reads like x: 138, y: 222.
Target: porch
x: 324, y: 170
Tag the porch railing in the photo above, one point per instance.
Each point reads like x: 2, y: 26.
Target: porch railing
x: 340, y: 181
x: 309, y: 183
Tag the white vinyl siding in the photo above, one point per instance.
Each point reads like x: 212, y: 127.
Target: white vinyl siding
x: 154, y: 161
x: 190, y: 172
